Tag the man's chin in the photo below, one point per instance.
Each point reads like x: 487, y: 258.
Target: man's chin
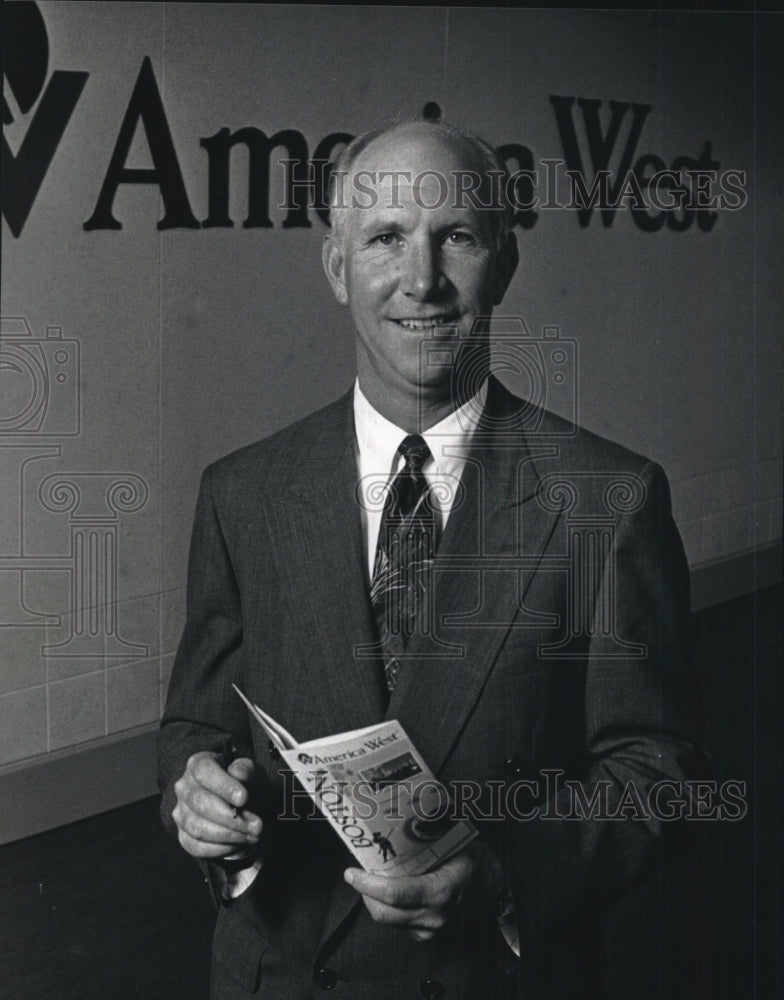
x: 444, y: 390
x: 434, y: 378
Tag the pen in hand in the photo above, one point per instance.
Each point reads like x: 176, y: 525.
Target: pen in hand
x: 228, y: 753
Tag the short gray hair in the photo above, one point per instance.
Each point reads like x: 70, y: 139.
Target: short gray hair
x: 487, y: 158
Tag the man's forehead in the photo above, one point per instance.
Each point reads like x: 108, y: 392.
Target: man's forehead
x: 414, y: 170
x: 416, y: 147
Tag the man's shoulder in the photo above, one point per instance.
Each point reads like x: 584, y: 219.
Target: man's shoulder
x: 284, y: 451
x: 583, y: 447
x: 590, y: 474
x: 572, y: 445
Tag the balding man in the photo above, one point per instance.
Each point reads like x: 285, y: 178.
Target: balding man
x: 536, y: 651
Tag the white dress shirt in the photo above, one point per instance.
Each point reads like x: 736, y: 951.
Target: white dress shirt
x: 378, y: 460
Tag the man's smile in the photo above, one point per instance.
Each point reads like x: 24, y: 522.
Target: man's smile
x: 424, y: 323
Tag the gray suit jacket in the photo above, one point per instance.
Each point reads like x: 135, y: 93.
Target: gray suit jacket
x: 560, y: 644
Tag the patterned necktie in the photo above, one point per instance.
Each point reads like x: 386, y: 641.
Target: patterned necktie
x: 407, y: 541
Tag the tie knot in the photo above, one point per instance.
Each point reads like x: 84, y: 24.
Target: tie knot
x: 415, y: 451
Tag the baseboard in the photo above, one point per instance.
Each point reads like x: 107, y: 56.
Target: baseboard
x: 722, y: 580
x: 72, y: 785
x: 75, y: 784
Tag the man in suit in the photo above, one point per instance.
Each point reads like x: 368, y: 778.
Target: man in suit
x: 546, y: 682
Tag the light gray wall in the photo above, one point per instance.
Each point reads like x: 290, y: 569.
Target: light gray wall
x: 193, y: 342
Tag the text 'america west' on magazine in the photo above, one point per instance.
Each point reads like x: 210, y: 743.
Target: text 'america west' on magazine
x: 377, y: 792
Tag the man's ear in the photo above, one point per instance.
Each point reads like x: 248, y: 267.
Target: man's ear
x: 507, y: 259
x: 334, y: 260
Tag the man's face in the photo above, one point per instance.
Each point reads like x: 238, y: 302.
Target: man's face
x: 415, y: 260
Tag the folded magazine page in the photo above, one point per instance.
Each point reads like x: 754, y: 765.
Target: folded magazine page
x: 378, y: 794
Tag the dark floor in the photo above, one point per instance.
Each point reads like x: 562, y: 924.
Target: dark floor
x: 110, y: 908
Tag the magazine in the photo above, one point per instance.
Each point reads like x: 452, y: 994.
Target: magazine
x: 378, y: 794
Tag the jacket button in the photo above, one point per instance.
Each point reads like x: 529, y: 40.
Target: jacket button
x: 432, y: 989
x: 514, y: 766
x: 326, y: 979
x: 273, y: 750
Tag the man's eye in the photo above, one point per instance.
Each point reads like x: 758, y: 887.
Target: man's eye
x: 386, y: 239
x: 460, y: 238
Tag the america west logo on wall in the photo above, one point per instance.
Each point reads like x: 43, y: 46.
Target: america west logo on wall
x: 601, y: 168
x: 25, y: 86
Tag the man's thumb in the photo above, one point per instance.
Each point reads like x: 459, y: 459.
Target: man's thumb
x: 243, y: 769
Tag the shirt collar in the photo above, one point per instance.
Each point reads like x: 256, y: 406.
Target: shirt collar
x: 449, y: 440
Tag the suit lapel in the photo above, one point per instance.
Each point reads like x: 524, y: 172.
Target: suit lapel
x: 491, y: 548
x: 497, y: 524
x: 319, y: 519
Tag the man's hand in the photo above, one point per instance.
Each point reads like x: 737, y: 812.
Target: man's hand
x: 209, y: 814
x: 422, y: 904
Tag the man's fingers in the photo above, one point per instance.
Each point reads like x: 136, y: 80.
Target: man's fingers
x: 438, y: 888
x: 206, y: 770
x: 420, y: 904
x: 194, y: 798
x: 199, y: 828
x: 208, y: 813
x: 202, y: 849
x: 404, y: 892
x: 419, y: 920
x: 421, y: 924
x: 458, y: 869
x: 209, y: 805
x: 243, y: 769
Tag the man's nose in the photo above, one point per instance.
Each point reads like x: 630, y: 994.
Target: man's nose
x: 422, y: 277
